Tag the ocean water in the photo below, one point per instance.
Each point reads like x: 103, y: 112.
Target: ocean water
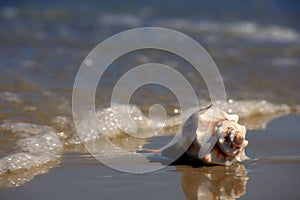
x: 256, y: 46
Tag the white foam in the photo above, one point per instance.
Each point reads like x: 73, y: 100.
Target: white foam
x: 38, y: 146
x: 250, y: 108
x: 24, y: 129
x: 114, y: 121
x: 10, y: 97
x: 120, y: 20
x: 44, y: 143
x: 256, y: 114
x: 246, y: 29
x: 285, y: 62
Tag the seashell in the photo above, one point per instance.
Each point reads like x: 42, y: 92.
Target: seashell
x: 215, y: 137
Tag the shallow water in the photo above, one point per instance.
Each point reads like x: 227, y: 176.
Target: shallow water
x: 43, y: 45
x: 272, y: 172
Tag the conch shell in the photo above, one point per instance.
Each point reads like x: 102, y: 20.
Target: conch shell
x: 213, y: 137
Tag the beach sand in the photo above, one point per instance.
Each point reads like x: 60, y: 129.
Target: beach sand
x: 272, y: 173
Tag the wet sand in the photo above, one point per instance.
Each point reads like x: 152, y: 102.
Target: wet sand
x: 272, y: 173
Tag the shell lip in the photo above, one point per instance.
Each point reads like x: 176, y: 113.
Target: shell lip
x: 228, y: 152
x: 232, y: 142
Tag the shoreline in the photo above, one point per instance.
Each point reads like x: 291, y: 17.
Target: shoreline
x: 273, y: 171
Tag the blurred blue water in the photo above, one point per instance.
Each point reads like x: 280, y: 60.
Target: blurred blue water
x: 256, y: 45
x: 284, y: 12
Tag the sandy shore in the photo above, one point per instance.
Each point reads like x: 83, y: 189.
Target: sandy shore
x: 272, y: 173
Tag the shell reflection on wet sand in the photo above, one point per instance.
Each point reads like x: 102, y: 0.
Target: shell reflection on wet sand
x: 215, y: 182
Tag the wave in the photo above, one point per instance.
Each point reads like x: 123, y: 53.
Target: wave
x: 245, y: 29
x: 41, y: 147
x: 37, y: 146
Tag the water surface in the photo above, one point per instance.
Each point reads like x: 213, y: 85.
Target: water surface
x: 256, y: 46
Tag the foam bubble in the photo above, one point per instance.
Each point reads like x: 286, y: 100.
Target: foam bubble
x: 38, y: 146
x: 114, y: 121
x: 250, y: 108
x: 24, y: 128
